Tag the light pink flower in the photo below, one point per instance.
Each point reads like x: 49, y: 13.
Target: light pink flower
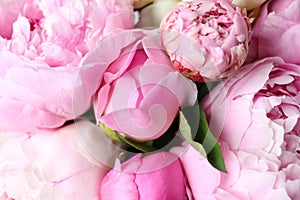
x: 157, y: 176
x: 257, y: 111
x: 260, y: 101
x: 39, y: 57
x: 275, y: 32
x: 50, y: 165
x: 35, y: 96
x: 206, y: 40
x: 252, y: 176
x: 61, y: 32
x: 139, y: 92
x: 248, y: 176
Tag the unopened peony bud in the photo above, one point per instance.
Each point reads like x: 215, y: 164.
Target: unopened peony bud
x: 206, y: 39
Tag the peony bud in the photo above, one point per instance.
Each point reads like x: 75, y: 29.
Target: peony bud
x: 206, y: 40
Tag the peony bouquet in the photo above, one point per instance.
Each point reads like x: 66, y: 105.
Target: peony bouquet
x: 149, y: 100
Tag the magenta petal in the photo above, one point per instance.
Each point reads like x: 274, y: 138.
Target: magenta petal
x: 197, y: 169
x: 116, y: 186
x: 161, y: 177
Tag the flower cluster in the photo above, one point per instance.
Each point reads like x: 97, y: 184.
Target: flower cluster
x: 149, y: 99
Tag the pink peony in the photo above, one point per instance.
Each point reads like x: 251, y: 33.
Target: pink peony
x: 50, y: 165
x: 139, y: 93
x: 206, y: 40
x: 263, y: 101
x: 60, y: 33
x: 39, y: 57
x: 276, y: 31
x: 261, y: 120
x: 35, y: 96
x: 157, y: 176
x: 248, y: 176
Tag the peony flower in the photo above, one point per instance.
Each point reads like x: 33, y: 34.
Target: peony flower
x: 248, y: 4
x: 206, y: 40
x: 248, y: 176
x: 156, y: 176
x: 37, y: 31
x: 263, y: 101
x: 140, y: 94
x: 261, y: 118
x: 50, y: 165
x: 35, y: 96
x: 275, y: 32
x: 151, y: 16
x: 252, y: 176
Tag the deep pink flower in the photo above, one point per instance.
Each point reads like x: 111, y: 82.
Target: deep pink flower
x: 157, y: 176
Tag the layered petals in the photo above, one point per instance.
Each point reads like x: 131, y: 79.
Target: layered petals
x: 139, y: 94
x: 53, y: 165
x: 206, y: 40
x: 275, y: 31
x: 156, y: 176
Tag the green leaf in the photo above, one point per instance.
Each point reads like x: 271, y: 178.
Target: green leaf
x: 142, y: 146
x: 108, y: 131
x: 185, y: 130
x: 199, y: 148
x: 210, y: 144
x: 204, y: 88
x: 138, y: 146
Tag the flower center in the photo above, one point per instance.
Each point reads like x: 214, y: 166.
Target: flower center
x: 34, y: 23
